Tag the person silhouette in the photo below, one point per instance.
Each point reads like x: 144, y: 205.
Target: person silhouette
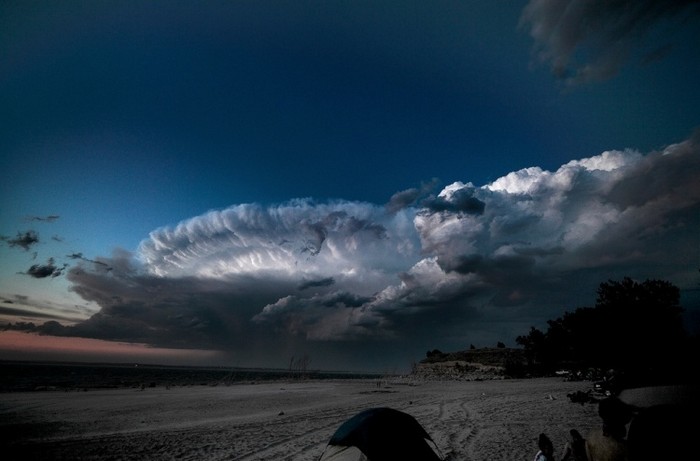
x: 608, y: 443
x: 575, y: 448
x: 546, y: 449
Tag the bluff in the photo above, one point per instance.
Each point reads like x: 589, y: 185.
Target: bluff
x: 472, y: 364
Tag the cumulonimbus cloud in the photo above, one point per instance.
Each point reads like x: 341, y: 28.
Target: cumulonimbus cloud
x: 486, y: 260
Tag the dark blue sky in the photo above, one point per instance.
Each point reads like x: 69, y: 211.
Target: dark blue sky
x: 125, y: 117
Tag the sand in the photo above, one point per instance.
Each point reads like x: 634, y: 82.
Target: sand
x: 476, y: 420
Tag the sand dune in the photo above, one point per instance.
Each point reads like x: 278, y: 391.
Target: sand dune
x: 495, y: 420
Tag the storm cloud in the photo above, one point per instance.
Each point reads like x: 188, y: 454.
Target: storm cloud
x: 591, y: 40
x: 481, y: 267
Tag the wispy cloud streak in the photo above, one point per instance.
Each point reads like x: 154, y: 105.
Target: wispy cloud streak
x: 49, y: 218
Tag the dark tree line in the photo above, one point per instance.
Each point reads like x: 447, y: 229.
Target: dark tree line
x: 635, y: 329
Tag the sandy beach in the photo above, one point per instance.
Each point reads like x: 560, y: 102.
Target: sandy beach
x: 473, y: 420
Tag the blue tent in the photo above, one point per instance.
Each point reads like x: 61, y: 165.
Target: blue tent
x: 381, y: 434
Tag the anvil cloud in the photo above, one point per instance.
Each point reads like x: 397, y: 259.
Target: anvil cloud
x: 307, y: 273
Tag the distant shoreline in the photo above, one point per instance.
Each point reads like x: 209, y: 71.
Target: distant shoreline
x: 23, y: 376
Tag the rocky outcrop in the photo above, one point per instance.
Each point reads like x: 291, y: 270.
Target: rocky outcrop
x: 458, y: 370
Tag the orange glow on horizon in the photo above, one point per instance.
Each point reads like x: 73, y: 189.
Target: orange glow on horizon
x: 16, y: 345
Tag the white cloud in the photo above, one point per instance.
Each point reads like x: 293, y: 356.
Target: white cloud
x: 356, y: 243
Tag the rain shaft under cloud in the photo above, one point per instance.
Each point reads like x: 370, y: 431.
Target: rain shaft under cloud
x: 470, y: 265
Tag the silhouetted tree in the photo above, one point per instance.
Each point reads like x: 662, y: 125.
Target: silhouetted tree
x: 435, y: 353
x: 534, y: 345
x: 635, y: 327
x: 644, y: 323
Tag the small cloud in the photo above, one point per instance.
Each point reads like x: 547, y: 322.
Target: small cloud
x: 410, y: 197
x: 403, y: 199
x: 49, y: 218
x: 24, y: 240
x: 49, y: 269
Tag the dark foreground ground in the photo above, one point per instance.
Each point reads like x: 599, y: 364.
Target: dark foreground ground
x: 283, y: 420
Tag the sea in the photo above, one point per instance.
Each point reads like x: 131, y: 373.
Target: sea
x: 20, y: 376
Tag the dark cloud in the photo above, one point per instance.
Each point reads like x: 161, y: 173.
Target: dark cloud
x: 24, y: 240
x: 82, y: 258
x: 410, y: 197
x: 328, y: 317
x: 590, y: 40
x: 171, y: 312
x: 403, y: 199
x: 50, y: 218
x: 21, y: 326
x: 49, y: 269
x: 23, y: 312
x: 325, y: 282
x: 459, y: 201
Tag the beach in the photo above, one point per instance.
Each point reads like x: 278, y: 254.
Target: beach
x: 287, y: 420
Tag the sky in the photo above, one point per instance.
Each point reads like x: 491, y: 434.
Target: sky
x: 243, y: 182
